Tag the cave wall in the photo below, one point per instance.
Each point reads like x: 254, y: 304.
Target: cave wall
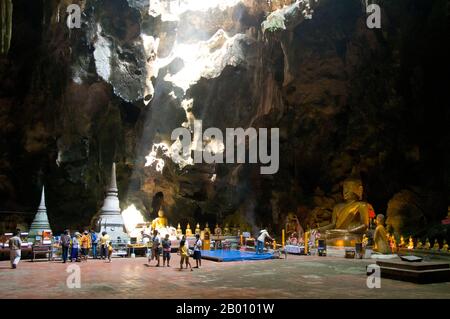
x: 344, y: 97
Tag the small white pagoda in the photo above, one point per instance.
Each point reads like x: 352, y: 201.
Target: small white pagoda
x: 110, y: 219
x: 40, y: 222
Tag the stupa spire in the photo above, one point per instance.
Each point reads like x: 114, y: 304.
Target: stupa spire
x: 40, y: 222
x: 113, y: 182
x: 42, y: 204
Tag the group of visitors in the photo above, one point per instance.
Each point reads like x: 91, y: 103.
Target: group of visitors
x: 77, y: 247
x: 164, y: 247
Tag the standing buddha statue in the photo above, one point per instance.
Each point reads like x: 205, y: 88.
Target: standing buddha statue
x: 197, y: 229
x: 188, y: 231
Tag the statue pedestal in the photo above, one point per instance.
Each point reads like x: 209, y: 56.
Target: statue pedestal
x: 342, y: 239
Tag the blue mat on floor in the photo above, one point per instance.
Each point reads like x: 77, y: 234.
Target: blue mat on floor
x: 233, y: 255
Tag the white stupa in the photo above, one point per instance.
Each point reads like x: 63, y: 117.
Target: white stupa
x: 110, y: 219
x: 40, y: 222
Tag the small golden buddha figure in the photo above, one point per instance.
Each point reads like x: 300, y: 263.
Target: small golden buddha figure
x: 427, y: 244
x: 436, y: 245
x: 188, y: 231
x: 160, y: 221
x: 207, y: 230
x: 393, y: 243
x: 419, y: 244
x: 410, y: 243
x: 226, y: 230
x: 197, y: 229
x: 444, y: 248
x: 350, y: 219
x: 380, y: 236
x: 179, y: 231
x: 218, y: 230
x: 402, y: 242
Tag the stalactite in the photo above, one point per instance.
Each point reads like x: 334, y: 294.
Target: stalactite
x: 6, y: 24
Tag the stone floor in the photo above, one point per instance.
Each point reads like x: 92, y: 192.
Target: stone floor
x: 294, y: 277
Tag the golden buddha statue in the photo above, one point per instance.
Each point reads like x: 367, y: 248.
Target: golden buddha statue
x: 197, y: 229
x: 226, y: 230
x: 427, y: 244
x: 419, y: 244
x: 206, y: 230
x: 188, y: 231
x: 436, y: 245
x: 444, y: 248
x: 179, y: 231
x: 393, y: 243
x: 380, y: 236
x: 402, y: 242
x: 218, y: 230
x: 350, y: 219
x: 410, y: 243
x: 160, y: 221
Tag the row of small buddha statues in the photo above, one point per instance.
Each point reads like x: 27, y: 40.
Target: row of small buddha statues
x: 227, y: 231
x: 419, y: 245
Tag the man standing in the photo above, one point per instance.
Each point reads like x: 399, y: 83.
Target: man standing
x: 15, y: 245
x: 94, y: 242
x: 104, y: 240
x: 263, y: 234
x: 65, y: 244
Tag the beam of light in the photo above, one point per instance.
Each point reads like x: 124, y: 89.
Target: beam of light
x: 154, y: 158
x: 131, y: 217
x: 170, y: 10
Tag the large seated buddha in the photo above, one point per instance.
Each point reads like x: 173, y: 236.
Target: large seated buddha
x: 350, y: 219
x: 160, y: 221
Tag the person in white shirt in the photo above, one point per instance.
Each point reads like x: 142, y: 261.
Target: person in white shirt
x: 197, y: 251
x: 15, y: 252
x: 263, y: 234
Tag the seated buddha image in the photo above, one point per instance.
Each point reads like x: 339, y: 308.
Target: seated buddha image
x: 350, y: 219
x: 293, y: 226
x: 160, y: 221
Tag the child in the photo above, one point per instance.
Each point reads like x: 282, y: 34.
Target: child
x: 110, y: 251
x: 166, y: 250
x: 184, y: 253
x: 197, y: 252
